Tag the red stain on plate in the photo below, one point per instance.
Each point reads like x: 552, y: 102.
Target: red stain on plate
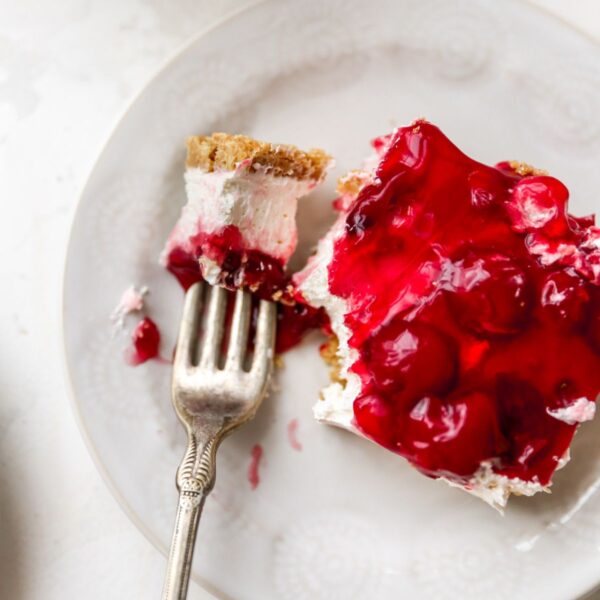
x: 292, y: 432
x: 253, y: 475
x: 145, y: 341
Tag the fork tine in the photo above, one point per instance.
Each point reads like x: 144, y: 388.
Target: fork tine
x: 213, y: 327
x: 239, y: 330
x: 188, y: 330
x: 264, y: 344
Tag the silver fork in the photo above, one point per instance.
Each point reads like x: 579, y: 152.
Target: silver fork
x: 211, y: 402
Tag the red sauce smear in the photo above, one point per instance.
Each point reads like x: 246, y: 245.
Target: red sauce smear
x: 465, y: 336
x: 145, y: 341
x: 292, y: 433
x: 253, y: 476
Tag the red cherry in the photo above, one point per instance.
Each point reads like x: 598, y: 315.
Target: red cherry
x: 414, y: 358
x: 565, y: 297
x: 452, y: 437
x: 373, y: 417
x: 539, y: 203
x: 184, y: 266
x: 497, y: 299
x: 525, y: 422
x: 486, y: 186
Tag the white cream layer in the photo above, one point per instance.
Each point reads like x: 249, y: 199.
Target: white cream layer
x: 335, y: 405
x: 262, y: 206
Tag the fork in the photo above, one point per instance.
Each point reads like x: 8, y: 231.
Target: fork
x: 211, y: 400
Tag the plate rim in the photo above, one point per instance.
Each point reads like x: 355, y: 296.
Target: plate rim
x: 73, y: 400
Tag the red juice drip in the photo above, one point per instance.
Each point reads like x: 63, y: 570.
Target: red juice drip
x: 464, y: 338
x: 253, y: 474
x: 145, y: 341
x: 292, y: 433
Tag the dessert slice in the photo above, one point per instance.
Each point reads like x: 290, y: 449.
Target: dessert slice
x: 465, y: 308
x: 238, y: 227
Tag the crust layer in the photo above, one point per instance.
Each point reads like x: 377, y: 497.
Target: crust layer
x: 222, y: 151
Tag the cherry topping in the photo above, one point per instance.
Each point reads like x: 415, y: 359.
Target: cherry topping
x: 566, y: 298
x: 496, y: 298
x: 473, y: 307
x: 486, y: 187
x: 413, y: 358
x: 593, y: 326
x: 293, y: 322
x: 374, y: 416
x: 443, y: 437
x: 539, y: 202
x: 184, y: 266
x: 250, y: 269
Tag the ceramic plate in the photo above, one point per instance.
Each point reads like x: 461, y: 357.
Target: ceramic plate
x: 340, y: 518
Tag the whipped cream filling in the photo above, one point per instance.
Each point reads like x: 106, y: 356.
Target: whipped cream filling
x: 261, y: 206
x: 495, y: 489
x: 335, y: 405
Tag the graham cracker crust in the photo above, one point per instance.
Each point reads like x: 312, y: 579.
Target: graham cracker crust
x: 222, y: 151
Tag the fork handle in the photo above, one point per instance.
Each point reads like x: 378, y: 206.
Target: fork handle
x: 182, y: 544
x: 195, y: 480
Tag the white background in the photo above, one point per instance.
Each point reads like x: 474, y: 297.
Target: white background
x: 68, y: 69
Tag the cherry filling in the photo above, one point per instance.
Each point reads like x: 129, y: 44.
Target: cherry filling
x: 239, y: 266
x: 252, y: 269
x: 474, y: 309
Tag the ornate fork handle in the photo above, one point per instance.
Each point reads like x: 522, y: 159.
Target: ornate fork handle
x: 195, y: 480
x: 212, y: 399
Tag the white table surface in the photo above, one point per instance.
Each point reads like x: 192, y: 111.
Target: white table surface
x: 68, y: 69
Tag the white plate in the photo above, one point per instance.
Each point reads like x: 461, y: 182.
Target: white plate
x: 342, y: 518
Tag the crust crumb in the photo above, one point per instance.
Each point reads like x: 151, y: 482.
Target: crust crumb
x: 329, y: 353
x: 351, y: 183
x: 524, y: 169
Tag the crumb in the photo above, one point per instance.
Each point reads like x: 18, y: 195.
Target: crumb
x: 329, y: 353
x: 524, y: 169
x: 351, y: 183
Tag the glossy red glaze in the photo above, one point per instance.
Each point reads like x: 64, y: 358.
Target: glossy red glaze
x: 294, y: 322
x: 473, y: 307
x: 145, y: 341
